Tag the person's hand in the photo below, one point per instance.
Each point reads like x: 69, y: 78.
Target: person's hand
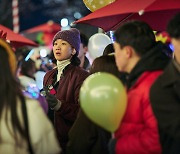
x: 51, y: 99
x: 53, y: 102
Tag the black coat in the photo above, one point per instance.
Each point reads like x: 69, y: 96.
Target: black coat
x: 165, y: 98
x: 85, y: 137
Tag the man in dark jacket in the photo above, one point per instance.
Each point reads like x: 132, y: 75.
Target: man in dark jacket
x: 165, y: 95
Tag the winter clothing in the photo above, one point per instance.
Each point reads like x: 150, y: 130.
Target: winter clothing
x: 27, y: 81
x: 86, y: 65
x: 39, y: 75
x: 67, y: 91
x: 165, y: 98
x: 31, y: 90
x: 60, y: 66
x: 42, y: 134
x: 138, y: 131
x: 72, y: 36
x: 85, y: 137
x: 52, y: 100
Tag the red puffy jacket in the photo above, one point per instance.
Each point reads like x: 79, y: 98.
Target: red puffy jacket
x: 138, y: 132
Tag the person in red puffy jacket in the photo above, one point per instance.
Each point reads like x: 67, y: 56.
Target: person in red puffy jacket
x: 138, y: 54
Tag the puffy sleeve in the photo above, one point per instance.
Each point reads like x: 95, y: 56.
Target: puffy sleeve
x: 139, y: 133
x: 144, y: 140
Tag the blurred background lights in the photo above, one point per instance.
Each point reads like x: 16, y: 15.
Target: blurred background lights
x: 64, y: 22
x: 171, y: 47
x: 29, y: 55
x: 43, y: 53
x: 77, y: 15
x: 112, y: 36
x: 58, y: 1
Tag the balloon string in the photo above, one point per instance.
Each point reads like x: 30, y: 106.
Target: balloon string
x: 112, y: 136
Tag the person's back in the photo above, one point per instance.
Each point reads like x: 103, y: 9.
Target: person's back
x: 41, y: 132
x: 24, y: 126
x: 165, y: 95
x: 26, y: 76
x: 27, y: 72
x: 138, y: 54
x: 85, y: 137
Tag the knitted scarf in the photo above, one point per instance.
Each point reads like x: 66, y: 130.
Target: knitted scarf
x: 60, y: 66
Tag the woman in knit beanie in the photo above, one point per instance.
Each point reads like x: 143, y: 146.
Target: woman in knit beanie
x: 62, y: 84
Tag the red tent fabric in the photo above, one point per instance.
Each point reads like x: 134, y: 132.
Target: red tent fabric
x: 48, y: 31
x: 49, y: 27
x: 155, y: 12
x: 16, y: 40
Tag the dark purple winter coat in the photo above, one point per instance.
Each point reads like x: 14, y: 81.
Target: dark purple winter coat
x: 67, y: 90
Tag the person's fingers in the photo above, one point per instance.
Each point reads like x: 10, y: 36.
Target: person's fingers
x: 45, y: 88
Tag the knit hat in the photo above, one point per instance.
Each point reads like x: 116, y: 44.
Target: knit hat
x: 72, y: 36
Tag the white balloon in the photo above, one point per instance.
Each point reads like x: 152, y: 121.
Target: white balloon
x: 97, y: 44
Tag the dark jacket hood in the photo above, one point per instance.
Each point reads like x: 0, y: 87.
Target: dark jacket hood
x: 154, y: 59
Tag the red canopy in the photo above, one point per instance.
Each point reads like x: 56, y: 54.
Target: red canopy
x: 49, y: 27
x: 16, y: 40
x: 48, y: 30
x: 155, y: 12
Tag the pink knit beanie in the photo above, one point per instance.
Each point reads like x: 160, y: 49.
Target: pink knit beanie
x: 72, y: 36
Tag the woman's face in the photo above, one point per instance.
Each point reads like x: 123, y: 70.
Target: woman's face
x: 120, y: 57
x: 62, y: 50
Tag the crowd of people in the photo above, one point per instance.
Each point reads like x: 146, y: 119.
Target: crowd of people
x: 49, y: 120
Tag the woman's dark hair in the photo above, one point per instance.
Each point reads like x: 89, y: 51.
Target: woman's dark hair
x: 105, y: 64
x: 84, y: 39
x: 75, y: 60
x: 10, y: 93
x: 108, y: 49
x: 137, y: 34
x: 26, y: 66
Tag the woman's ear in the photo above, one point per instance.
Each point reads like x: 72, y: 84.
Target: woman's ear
x: 73, y: 51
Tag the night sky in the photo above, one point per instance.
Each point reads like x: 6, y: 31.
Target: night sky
x: 35, y: 12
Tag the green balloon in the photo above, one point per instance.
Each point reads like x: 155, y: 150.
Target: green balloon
x: 103, y: 99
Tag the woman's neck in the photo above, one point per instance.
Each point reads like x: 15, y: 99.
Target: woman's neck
x: 63, y: 63
x: 60, y: 66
